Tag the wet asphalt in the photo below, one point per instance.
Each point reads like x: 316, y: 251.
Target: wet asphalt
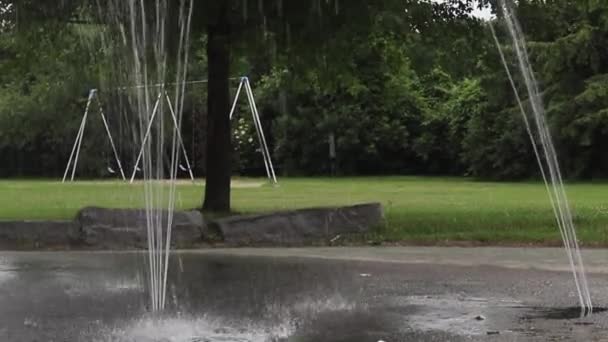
x: 366, y: 294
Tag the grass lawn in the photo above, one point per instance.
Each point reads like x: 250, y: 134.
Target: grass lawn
x: 418, y: 209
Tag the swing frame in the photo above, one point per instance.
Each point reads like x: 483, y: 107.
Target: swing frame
x: 73, y: 160
x: 180, y: 141
x: 244, y: 84
x: 75, y: 154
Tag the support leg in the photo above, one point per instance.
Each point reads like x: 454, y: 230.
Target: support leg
x: 257, y: 129
x: 271, y: 174
x: 78, y: 135
x: 236, y: 97
x: 179, y: 136
x: 145, y: 139
x: 105, y: 124
x: 82, y: 127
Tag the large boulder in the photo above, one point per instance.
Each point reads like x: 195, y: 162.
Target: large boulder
x: 126, y: 228
x: 297, y: 227
x: 37, y: 234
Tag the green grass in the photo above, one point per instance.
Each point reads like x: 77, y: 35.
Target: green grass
x: 426, y: 210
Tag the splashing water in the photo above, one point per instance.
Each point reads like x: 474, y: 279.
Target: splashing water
x: 204, y: 329
x: 136, y: 39
x: 544, y: 151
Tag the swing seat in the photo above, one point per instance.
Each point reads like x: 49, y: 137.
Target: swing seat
x: 111, y: 171
x: 181, y: 167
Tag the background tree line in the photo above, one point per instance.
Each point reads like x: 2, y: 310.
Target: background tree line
x: 406, y: 87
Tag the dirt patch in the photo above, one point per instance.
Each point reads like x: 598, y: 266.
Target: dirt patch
x: 235, y: 184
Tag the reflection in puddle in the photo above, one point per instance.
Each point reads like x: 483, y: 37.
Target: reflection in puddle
x: 573, y: 312
x: 5, y: 276
x: 78, y: 285
x: 7, y: 270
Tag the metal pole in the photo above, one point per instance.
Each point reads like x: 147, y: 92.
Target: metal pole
x: 179, y: 135
x: 143, y: 143
x: 257, y: 118
x: 67, y: 168
x: 105, y: 124
x: 236, y: 97
x: 257, y: 128
x: 162, y: 85
x: 83, y: 125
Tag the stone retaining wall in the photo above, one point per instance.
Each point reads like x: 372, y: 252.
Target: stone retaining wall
x: 99, y: 228
x: 37, y: 234
x: 298, y: 227
x: 126, y: 228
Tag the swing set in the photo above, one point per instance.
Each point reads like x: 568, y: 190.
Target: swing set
x: 163, y: 96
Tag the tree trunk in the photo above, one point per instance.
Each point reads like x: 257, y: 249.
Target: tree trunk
x: 219, y: 145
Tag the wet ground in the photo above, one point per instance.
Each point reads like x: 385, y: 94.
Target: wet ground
x: 343, y: 294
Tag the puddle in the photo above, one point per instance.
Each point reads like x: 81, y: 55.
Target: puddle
x: 567, y: 313
x: 466, y: 316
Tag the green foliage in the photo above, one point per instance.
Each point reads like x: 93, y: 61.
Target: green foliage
x: 41, y: 97
x: 571, y: 59
x: 403, y: 86
x: 446, y: 125
x: 371, y: 103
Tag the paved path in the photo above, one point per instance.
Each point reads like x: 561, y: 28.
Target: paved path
x: 302, y: 294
